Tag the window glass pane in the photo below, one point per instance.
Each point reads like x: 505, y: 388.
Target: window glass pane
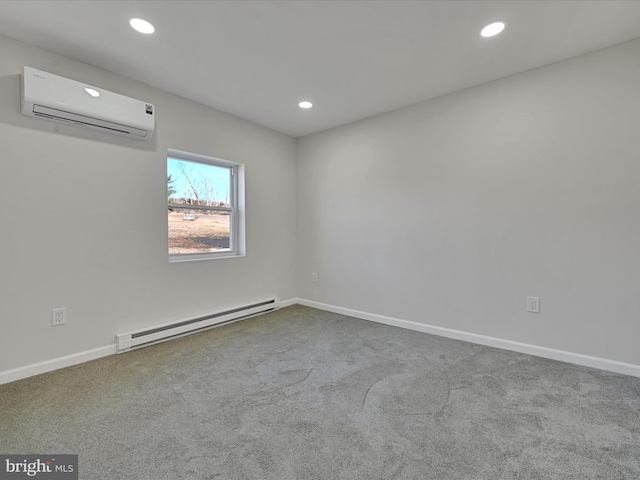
x: 205, y: 197
x: 198, y: 231
x: 198, y: 183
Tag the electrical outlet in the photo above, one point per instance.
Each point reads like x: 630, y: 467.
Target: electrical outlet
x: 314, y: 277
x: 533, y: 304
x: 58, y: 316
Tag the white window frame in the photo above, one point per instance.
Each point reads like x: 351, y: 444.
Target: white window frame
x: 236, y: 209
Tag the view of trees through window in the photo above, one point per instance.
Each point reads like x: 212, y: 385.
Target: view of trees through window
x: 200, y: 206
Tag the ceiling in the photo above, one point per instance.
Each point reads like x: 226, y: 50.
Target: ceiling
x: 352, y: 59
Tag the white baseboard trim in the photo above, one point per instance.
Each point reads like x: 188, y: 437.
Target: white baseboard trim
x: 560, y: 355
x: 288, y: 303
x: 55, y: 364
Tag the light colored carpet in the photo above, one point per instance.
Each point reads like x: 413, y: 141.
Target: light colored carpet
x: 305, y: 394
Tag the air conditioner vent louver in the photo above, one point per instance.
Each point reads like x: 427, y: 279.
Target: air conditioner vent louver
x: 81, y: 120
x: 52, y: 97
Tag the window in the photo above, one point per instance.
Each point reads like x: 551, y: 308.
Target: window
x: 205, y: 199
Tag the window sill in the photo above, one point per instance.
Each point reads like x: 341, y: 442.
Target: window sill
x: 192, y: 257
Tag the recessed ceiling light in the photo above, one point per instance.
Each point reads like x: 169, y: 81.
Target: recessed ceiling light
x: 305, y: 104
x: 92, y: 92
x: 142, y: 25
x: 492, y: 29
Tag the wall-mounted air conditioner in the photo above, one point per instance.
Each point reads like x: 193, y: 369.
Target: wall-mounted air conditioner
x: 50, y: 96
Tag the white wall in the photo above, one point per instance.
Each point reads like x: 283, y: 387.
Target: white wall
x: 451, y: 212
x: 84, y: 218
x: 447, y: 213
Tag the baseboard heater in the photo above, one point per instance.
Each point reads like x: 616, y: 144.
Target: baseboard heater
x: 167, y: 331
